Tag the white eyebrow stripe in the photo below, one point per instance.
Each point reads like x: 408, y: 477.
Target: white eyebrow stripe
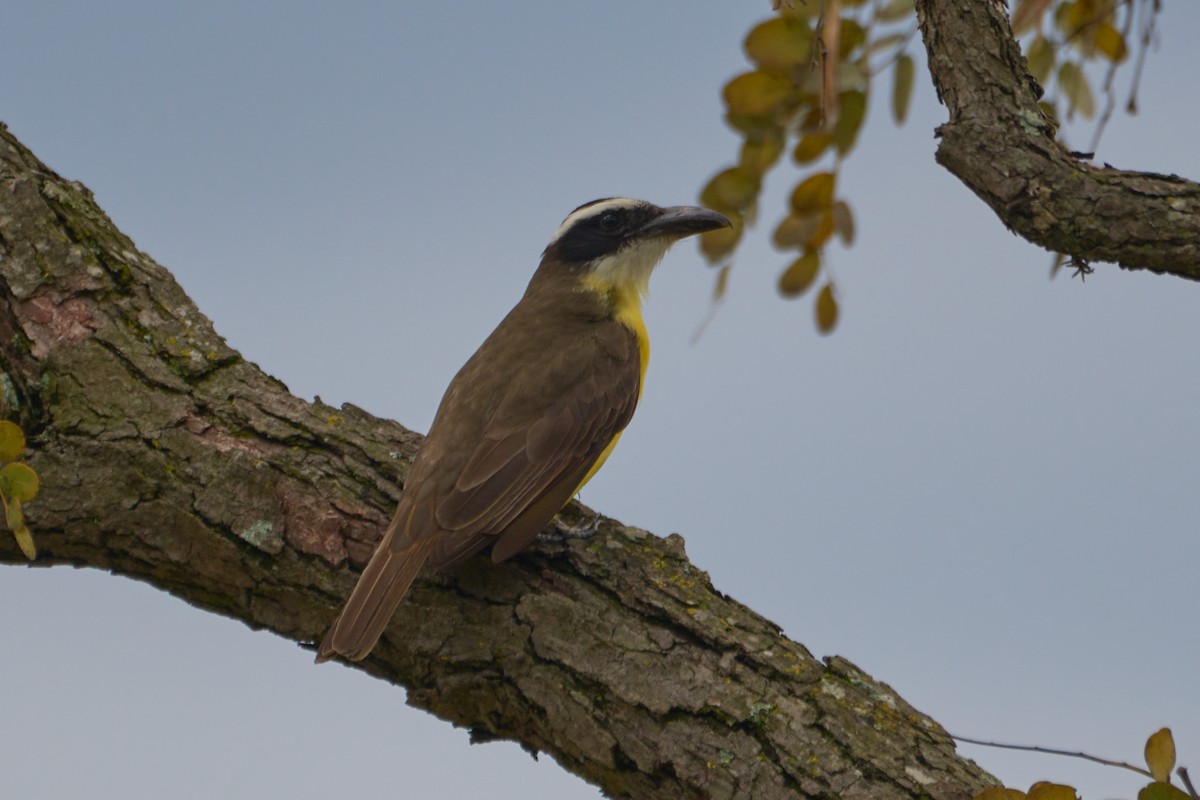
x: 590, y: 211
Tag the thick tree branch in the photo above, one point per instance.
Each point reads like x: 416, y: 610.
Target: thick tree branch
x: 1000, y: 144
x: 166, y: 457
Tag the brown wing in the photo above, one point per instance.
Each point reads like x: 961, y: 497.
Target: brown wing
x: 526, y: 468
x: 505, y: 453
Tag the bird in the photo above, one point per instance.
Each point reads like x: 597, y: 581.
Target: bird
x: 532, y: 415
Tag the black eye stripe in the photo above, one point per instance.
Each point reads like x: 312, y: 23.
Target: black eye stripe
x: 604, y: 233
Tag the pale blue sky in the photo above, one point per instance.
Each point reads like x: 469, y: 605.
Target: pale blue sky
x: 981, y: 489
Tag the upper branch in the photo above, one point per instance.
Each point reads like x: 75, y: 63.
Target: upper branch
x: 166, y: 457
x: 1000, y: 144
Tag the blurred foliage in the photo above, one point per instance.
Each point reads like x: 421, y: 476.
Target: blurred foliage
x: 18, y: 485
x: 806, y: 96
x: 1160, y: 761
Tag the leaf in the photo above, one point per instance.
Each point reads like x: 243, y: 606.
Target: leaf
x: 815, y: 193
x: 1028, y: 13
x: 16, y: 522
x: 18, y: 482
x: 721, y: 284
x: 1162, y: 791
x: 852, y: 109
x: 717, y: 245
x: 843, y: 222
x: 851, y: 35
x: 730, y: 189
x: 1040, y: 59
x: 1077, y: 89
x: 12, y: 441
x: 1044, y: 790
x: 904, y: 72
x: 1110, y: 42
x: 1160, y: 754
x: 895, y: 10
x: 826, y: 310
x: 795, y: 230
x: 999, y: 793
x: 800, y: 274
x: 779, y: 44
x: 811, y: 146
x: 821, y: 233
x: 759, y: 156
x: 756, y: 93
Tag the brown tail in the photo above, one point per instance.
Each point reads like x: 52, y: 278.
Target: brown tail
x: 382, y: 586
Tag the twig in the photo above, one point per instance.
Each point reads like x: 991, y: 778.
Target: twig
x: 1187, y: 781
x: 1052, y: 751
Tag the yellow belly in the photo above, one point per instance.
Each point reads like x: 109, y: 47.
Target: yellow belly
x: 628, y: 311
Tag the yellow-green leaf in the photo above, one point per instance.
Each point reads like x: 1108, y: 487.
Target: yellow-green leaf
x: 1044, y: 790
x: 895, y: 10
x: 18, y: 482
x: 756, y: 93
x: 821, y: 233
x: 1027, y: 13
x: 1110, y: 42
x: 800, y: 274
x: 1160, y: 754
x: 826, y: 310
x: 1040, y: 59
x: 999, y: 793
x: 811, y: 146
x: 1162, y: 791
x: 16, y: 523
x: 759, y: 156
x: 12, y: 441
x: 814, y: 194
x: 779, y: 44
x: 843, y: 222
x: 717, y: 245
x: 852, y: 107
x: 904, y: 73
x: 795, y: 230
x: 1077, y: 89
x: 850, y: 36
x: 721, y: 284
x: 730, y: 189
x: 1074, y: 16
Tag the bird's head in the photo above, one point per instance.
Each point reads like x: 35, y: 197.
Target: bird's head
x: 616, y: 242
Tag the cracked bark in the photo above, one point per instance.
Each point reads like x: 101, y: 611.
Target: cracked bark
x: 166, y: 457
x: 1000, y: 144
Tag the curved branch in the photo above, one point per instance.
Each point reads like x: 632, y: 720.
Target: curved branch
x: 166, y: 457
x: 1000, y: 144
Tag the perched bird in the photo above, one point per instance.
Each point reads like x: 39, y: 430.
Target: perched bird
x: 534, y: 412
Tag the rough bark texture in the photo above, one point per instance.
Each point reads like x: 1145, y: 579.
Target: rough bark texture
x: 1000, y: 144
x: 166, y: 457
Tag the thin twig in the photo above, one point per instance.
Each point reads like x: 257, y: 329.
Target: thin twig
x: 1187, y: 781
x: 1143, y: 49
x: 1052, y: 751
x: 1110, y: 97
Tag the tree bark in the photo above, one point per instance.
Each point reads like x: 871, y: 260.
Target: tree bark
x: 166, y: 457
x: 1003, y: 147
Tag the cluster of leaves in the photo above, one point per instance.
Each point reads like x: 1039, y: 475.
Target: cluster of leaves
x: 1160, y: 761
x: 1062, y: 37
x: 813, y: 68
x: 18, y: 485
x: 815, y: 62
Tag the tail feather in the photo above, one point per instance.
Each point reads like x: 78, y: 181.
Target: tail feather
x: 383, y: 584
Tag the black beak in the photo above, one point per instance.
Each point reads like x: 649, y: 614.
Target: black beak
x: 680, y: 221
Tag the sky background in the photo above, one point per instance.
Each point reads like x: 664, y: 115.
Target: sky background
x: 982, y: 489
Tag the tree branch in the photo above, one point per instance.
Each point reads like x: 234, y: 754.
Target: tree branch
x: 166, y: 457
x: 1000, y: 144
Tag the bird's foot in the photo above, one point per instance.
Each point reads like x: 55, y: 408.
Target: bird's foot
x: 564, y: 531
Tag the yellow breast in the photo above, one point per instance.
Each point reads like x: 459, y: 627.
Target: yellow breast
x: 626, y: 303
